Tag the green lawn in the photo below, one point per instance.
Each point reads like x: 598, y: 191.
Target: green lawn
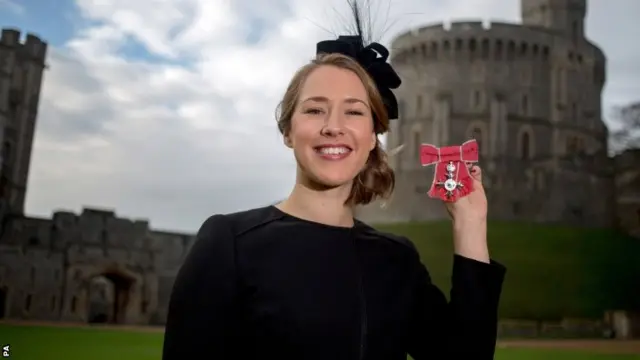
x: 553, y: 271
x: 51, y: 343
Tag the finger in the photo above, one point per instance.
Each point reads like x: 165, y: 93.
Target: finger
x: 476, y: 173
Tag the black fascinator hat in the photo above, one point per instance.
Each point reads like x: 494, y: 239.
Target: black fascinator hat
x: 372, y: 57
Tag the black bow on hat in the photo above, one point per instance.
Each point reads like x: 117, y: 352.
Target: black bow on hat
x: 373, y: 58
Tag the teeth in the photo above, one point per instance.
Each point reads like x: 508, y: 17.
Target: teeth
x: 334, y: 150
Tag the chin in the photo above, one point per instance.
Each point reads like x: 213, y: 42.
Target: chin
x: 330, y: 179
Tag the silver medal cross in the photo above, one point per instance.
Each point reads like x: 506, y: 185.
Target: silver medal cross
x: 450, y: 184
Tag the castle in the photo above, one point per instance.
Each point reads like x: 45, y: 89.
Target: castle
x: 529, y: 93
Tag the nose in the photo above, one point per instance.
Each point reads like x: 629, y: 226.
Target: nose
x: 333, y: 125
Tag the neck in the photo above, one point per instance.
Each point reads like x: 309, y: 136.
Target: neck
x: 325, y: 206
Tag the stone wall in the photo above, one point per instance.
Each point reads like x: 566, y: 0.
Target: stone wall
x: 47, y: 267
x: 615, y: 324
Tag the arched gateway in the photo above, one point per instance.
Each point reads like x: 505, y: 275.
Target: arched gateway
x: 104, y: 294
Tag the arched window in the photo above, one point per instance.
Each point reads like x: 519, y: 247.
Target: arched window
x: 485, y: 48
x: 525, y: 146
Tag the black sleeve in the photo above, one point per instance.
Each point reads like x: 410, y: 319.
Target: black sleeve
x: 466, y: 326
x: 200, y: 313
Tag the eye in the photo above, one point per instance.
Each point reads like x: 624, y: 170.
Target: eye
x: 313, y: 111
x: 355, y: 112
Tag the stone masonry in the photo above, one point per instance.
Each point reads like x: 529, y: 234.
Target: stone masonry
x: 529, y: 93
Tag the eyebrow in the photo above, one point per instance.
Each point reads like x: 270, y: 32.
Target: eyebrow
x: 325, y: 99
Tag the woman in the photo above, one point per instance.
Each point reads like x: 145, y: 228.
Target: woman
x: 303, y: 279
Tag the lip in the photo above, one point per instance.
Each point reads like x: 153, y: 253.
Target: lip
x: 333, y: 146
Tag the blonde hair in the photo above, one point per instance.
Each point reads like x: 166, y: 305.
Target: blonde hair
x: 377, y: 179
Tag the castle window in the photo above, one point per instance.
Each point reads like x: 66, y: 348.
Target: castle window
x: 511, y: 50
x: 458, y: 44
x: 574, y: 31
x: 74, y: 304
x: 572, y: 145
x: 472, y: 45
x: 577, y: 212
x: 53, y: 303
x: 485, y: 48
x: 545, y: 53
x: 525, y: 105
x: 580, y: 145
x: 523, y: 49
x: 517, y: 208
x: 536, y: 49
x: 418, y: 104
x: 498, y: 51
x: 540, y: 181
x: 27, y: 303
x: 34, y: 241
x: 525, y: 146
x: 13, y: 109
x: 6, y: 151
x: 32, y: 276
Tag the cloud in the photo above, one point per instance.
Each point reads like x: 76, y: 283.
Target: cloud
x: 12, y: 6
x: 165, y: 110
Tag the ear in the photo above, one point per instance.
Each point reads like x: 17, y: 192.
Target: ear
x: 374, y: 141
x: 287, y: 142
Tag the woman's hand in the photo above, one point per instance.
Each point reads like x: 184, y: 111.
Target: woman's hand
x: 469, y: 215
x: 473, y: 207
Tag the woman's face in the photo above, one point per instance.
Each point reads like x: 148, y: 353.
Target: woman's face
x: 332, y: 127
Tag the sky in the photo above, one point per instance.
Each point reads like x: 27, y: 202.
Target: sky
x: 165, y: 110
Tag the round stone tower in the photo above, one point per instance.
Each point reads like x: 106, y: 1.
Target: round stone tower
x: 529, y: 93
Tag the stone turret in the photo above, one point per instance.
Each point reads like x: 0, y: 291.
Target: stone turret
x: 564, y: 16
x: 529, y: 93
x: 23, y: 64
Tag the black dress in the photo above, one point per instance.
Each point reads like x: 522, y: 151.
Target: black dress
x: 262, y: 284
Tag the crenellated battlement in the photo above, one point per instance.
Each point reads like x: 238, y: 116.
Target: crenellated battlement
x: 462, y: 26
x: 473, y: 40
x: 32, y: 45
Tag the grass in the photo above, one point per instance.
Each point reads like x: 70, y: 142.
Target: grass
x: 553, y: 271
x: 64, y: 343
